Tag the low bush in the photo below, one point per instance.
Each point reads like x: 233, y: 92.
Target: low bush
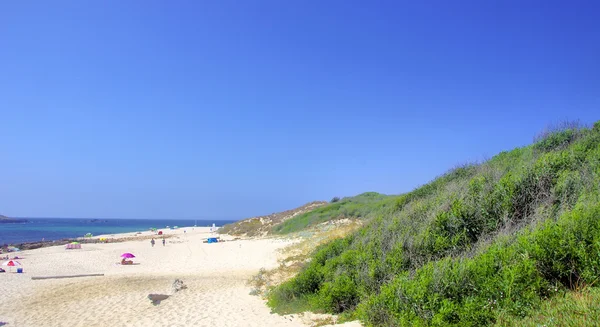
x: 558, y: 137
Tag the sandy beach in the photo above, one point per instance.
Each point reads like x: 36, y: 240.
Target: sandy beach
x: 215, y: 275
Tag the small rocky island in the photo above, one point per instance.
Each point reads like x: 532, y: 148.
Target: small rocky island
x: 98, y: 221
x: 6, y: 220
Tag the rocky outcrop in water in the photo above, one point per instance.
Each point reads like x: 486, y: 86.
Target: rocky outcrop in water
x: 98, y: 221
x: 7, y: 220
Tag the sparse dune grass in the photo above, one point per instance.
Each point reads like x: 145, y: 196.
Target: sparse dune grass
x: 295, y: 256
x: 571, y: 309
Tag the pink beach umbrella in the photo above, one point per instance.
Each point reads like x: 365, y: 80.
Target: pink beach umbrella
x: 11, y: 263
x: 127, y: 255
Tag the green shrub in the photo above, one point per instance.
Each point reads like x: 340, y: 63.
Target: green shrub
x: 558, y: 137
x: 568, y: 252
x: 568, y: 187
x: 339, y: 295
x: 462, y: 292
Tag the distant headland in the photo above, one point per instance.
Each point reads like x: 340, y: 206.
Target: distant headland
x: 7, y: 220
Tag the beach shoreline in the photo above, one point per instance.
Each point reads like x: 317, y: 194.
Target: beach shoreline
x: 37, y: 230
x: 116, y: 237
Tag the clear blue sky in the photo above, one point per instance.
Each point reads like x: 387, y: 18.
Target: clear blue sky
x: 229, y: 109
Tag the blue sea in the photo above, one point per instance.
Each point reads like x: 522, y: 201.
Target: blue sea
x: 51, y: 229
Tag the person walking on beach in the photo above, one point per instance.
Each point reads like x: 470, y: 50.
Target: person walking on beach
x: 163, y: 241
x: 152, y: 242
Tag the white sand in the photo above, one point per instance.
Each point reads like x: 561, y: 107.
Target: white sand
x: 215, y: 276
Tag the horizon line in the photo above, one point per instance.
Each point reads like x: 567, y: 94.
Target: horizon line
x: 24, y: 217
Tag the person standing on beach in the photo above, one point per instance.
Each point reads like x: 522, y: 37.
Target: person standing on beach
x: 163, y: 241
x: 152, y: 242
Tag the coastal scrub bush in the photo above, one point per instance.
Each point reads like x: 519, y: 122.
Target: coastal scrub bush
x: 558, y: 136
x: 339, y: 295
x: 568, y: 251
x: 568, y: 187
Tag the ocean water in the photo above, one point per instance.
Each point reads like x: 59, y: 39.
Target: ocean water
x: 51, y: 229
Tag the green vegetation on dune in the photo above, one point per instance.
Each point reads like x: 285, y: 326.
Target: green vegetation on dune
x: 476, y: 245
x: 360, y: 206
x: 571, y: 309
x: 263, y: 225
x: 366, y: 205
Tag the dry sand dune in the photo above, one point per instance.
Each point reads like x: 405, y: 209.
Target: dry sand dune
x: 215, y: 276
